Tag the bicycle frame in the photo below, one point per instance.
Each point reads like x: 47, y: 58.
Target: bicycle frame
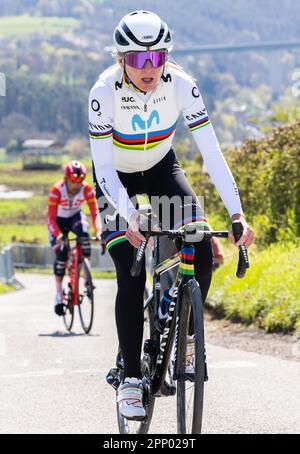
x: 74, y: 258
x: 165, y: 344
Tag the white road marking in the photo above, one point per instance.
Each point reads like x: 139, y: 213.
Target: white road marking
x: 38, y: 373
x: 3, y: 350
x: 230, y: 364
x: 50, y: 372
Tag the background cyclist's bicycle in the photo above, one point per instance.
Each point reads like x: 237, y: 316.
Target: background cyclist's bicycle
x: 79, y: 290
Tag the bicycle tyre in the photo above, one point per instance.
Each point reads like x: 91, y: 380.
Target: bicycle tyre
x: 190, y: 409
x: 69, y: 309
x: 86, y: 296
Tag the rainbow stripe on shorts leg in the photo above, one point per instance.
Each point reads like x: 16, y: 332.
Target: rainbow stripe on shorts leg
x: 115, y: 238
x: 187, y: 255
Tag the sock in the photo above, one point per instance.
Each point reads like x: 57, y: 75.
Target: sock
x: 59, y: 287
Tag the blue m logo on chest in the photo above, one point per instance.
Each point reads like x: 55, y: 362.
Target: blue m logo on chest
x: 138, y: 121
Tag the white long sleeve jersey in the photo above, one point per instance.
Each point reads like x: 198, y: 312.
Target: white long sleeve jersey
x: 131, y: 132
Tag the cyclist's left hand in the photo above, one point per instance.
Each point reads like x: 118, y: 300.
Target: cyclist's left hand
x: 248, y: 235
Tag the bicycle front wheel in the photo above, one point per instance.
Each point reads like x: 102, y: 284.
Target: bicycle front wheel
x: 190, y: 378
x: 68, y: 309
x: 85, y: 296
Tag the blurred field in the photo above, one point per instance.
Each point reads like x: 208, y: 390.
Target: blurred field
x: 24, y: 25
x: 25, y: 219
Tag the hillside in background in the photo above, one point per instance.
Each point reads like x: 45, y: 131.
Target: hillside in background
x: 52, y: 52
x: 201, y: 22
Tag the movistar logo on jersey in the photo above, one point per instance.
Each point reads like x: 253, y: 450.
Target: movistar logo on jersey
x: 137, y: 120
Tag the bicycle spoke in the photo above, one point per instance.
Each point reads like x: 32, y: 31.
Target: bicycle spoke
x: 189, y: 409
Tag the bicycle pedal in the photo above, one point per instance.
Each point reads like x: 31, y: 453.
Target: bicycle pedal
x: 168, y: 389
x: 113, y: 378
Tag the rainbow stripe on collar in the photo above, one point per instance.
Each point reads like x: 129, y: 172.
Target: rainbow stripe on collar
x: 203, y: 222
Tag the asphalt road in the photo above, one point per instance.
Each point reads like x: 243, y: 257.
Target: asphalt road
x: 53, y: 382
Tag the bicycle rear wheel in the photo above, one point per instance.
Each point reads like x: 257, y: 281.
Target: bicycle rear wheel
x: 127, y: 426
x: 69, y: 309
x: 85, y: 296
x: 190, y: 386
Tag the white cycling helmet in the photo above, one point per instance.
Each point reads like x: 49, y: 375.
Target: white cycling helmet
x: 142, y: 30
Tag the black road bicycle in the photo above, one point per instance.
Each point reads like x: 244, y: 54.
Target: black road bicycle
x: 163, y: 359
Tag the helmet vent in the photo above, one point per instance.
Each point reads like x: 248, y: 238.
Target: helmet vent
x: 120, y: 39
x: 168, y: 38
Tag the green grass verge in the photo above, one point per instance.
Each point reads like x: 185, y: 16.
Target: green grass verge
x: 12, y: 26
x: 5, y: 288
x: 24, y: 211
x: 269, y: 295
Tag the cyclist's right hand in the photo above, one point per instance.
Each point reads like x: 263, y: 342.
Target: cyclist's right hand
x: 133, y: 233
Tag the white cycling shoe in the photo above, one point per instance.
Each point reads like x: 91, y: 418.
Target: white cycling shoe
x: 130, y: 399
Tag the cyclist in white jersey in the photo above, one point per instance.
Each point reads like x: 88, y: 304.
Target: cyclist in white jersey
x: 133, y: 112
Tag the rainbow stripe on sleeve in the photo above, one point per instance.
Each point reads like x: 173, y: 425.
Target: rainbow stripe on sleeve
x: 100, y: 135
x: 199, y: 124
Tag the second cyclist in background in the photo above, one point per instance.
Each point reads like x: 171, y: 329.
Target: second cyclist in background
x: 64, y: 215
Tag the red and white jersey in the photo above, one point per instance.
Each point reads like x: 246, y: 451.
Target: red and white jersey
x: 61, y: 204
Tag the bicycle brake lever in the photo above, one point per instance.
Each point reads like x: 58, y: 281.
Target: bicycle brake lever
x: 138, y: 259
x: 243, y: 265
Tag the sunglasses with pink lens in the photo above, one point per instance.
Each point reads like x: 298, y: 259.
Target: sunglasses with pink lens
x: 138, y: 59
